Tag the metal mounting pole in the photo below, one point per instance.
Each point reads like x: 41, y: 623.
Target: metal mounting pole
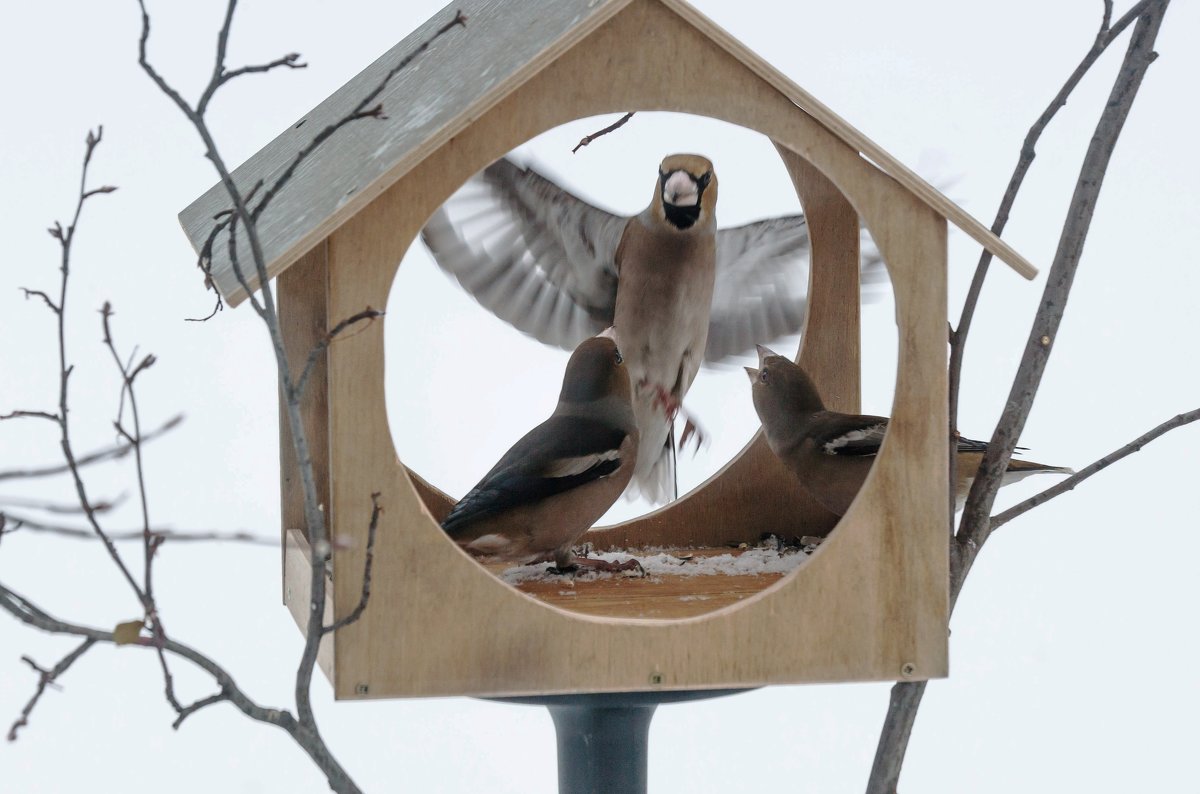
x: 603, y: 738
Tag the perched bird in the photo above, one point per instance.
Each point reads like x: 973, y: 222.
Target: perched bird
x: 678, y: 290
x: 554, y: 483
x: 832, y: 452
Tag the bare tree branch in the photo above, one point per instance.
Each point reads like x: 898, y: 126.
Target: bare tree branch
x: 958, y: 337
x: 974, y: 527
x: 111, y: 453
x: 586, y: 139
x: 119, y: 536
x: 189, y: 710
x: 1179, y: 420
x: 46, y: 678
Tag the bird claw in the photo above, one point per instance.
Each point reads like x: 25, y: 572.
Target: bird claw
x: 690, y: 428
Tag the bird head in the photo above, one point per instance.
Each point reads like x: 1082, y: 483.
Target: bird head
x: 595, y: 370
x: 781, y: 388
x: 687, y: 190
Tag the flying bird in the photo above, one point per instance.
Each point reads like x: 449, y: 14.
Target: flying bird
x: 832, y: 452
x: 678, y: 290
x: 554, y: 483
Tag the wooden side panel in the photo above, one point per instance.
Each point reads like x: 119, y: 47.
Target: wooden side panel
x: 871, y: 603
x: 301, y: 294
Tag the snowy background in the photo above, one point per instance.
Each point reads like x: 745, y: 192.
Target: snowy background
x: 1073, y: 653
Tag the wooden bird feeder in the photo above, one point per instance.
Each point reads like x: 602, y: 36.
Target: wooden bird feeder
x: 870, y: 604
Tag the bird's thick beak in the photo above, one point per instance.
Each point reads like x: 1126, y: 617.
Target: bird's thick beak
x: 753, y: 373
x: 681, y: 190
x: 763, y: 352
x: 609, y: 333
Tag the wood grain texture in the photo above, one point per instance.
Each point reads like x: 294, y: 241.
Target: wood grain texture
x: 302, y: 293
x: 451, y: 86
x: 871, y: 601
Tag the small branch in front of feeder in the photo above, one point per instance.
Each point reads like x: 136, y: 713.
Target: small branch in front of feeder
x: 314, y: 355
x: 1179, y: 420
x: 361, y: 606
x: 586, y: 139
x: 45, y: 678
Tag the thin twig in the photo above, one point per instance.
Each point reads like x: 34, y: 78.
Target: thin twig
x: 318, y: 350
x: 586, y: 139
x: 111, y: 453
x: 120, y: 536
x: 1179, y: 420
x: 369, y: 560
x: 46, y: 678
x: 189, y: 710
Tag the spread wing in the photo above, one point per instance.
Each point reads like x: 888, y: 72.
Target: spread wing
x: 533, y: 254
x: 761, y: 289
x: 562, y: 453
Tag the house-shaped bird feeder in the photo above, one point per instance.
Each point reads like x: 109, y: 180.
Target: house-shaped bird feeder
x: 869, y: 604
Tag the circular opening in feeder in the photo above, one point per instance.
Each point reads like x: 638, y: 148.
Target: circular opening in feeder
x: 462, y: 386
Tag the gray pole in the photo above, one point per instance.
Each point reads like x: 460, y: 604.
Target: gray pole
x: 603, y: 738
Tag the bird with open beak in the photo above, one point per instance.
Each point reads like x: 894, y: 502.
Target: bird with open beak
x: 557, y: 481
x: 678, y: 290
x: 830, y: 452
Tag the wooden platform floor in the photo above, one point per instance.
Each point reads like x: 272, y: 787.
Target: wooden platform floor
x: 658, y: 595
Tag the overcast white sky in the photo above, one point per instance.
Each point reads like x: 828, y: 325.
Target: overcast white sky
x: 1074, y: 650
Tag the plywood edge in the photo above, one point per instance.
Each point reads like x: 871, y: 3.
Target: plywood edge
x: 852, y: 136
x: 297, y: 586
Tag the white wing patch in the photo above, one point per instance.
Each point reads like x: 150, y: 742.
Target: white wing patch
x: 872, y: 435
x: 569, y: 467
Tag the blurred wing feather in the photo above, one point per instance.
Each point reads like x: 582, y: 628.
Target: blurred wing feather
x: 533, y: 254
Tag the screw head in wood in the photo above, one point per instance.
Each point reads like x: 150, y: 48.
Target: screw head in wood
x: 656, y: 678
x: 908, y: 669
x: 360, y: 689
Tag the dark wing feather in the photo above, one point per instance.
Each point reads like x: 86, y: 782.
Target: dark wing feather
x: 533, y: 254
x: 847, y: 435
x: 761, y: 289
x: 562, y: 453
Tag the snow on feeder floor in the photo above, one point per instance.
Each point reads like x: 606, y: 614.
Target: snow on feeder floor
x: 677, y: 583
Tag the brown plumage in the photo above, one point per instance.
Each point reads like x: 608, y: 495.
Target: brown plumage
x: 666, y: 264
x: 554, y: 483
x: 830, y: 452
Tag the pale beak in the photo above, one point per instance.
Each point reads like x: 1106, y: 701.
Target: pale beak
x: 753, y: 373
x: 763, y: 352
x: 681, y: 190
x: 609, y: 333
